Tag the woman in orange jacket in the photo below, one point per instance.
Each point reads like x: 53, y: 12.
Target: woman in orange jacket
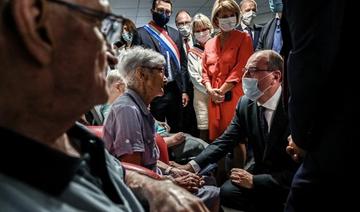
x: 224, y: 58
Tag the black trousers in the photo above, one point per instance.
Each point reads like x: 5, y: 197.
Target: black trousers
x: 169, y: 107
x: 244, y: 199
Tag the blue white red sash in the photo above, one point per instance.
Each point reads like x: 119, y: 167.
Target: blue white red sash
x: 165, y: 41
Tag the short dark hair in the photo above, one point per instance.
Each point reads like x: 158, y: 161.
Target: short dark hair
x: 156, y: 1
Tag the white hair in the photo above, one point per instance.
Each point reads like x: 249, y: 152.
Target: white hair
x: 136, y: 57
x: 112, y: 77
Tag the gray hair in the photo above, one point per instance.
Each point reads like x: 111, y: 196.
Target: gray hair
x: 137, y: 57
x: 113, y: 77
x: 243, y: 2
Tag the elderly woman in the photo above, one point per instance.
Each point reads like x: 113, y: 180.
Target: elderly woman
x: 224, y: 59
x: 129, y: 131
x: 201, y: 30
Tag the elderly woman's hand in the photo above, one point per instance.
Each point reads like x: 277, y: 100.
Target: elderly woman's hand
x: 163, y: 195
x: 216, y: 96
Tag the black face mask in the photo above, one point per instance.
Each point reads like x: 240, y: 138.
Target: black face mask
x: 161, y: 19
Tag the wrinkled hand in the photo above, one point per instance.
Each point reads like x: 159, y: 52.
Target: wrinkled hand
x: 185, y: 99
x: 174, y: 164
x: 163, y: 195
x: 175, y: 139
x: 296, y: 153
x: 176, y: 172
x: 242, y: 178
x: 190, y: 182
x: 186, y: 167
x: 216, y: 96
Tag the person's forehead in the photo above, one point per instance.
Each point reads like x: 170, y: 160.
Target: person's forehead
x: 225, y: 11
x: 248, y: 5
x: 183, y: 16
x: 163, y: 5
x: 258, y: 61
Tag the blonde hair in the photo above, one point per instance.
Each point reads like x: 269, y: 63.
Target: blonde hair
x: 203, y: 20
x: 230, y: 5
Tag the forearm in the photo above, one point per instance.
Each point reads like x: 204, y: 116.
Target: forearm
x: 227, y: 86
x: 142, y: 185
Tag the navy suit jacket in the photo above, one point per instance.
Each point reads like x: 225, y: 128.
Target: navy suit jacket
x: 266, y: 38
x: 143, y: 38
x: 273, y: 168
x: 257, y: 30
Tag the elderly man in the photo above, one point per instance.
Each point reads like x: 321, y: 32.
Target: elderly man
x: 129, y: 130
x: 248, y: 9
x: 183, y: 21
x: 166, y: 40
x: 261, y: 120
x: 47, y: 162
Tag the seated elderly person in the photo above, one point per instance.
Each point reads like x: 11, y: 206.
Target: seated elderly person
x: 129, y: 131
x: 47, y: 161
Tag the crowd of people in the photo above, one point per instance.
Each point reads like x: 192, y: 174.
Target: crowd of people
x: 213, y: 87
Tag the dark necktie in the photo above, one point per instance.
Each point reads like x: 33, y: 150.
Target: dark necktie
x: 186, y: 40
x: 248, y: 29
x: 263, y: 123
x: 278, y: 42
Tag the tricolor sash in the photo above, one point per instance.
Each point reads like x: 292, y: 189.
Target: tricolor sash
x: 165, y: 41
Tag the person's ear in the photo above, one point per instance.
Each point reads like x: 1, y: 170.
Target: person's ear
x: 29, y: 18
x: 277, y: 75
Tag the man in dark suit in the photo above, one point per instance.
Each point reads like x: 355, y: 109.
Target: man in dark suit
x: 270, y: 36
x: 323, y: 115
x: 261, y: 120
x: 248, y: 9
x: 164, y: 39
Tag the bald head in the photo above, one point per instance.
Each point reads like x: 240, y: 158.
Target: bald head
x: 52, y: 60
x: 271, y: 59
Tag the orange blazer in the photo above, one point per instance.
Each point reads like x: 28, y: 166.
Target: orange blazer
x: 222, y: 65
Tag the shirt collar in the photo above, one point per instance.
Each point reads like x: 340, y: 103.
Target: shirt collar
x: 271, y: 103
x: 245, y: 27
x: 38, y: 165
x: 137, y: 99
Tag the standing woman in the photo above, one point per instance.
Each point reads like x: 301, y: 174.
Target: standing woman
x: 224, y: 59
x: 201, y: 30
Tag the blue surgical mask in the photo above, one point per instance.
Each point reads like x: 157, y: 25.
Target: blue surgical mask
x: 276, y: 6
x: 127, y: 36
x: 161, y: 19
x: 251, y: 89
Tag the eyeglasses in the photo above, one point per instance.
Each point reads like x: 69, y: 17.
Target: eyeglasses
x: 111, y: 24
x: 254, y: 69
x: 159, y: 69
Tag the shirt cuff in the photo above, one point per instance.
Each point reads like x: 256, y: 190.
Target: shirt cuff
x: 195, y: 166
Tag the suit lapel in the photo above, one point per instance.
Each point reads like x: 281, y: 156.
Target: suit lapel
x: 270, y: 36
x: 278, y: 124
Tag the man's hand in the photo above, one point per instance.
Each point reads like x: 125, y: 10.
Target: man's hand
x: 296, y: 153
x: 190, y: 182
x: 185, y: 99
x: 186, y: 167
x: 163, y: 195
x: 242, y: 178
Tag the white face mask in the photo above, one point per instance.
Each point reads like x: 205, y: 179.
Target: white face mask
x: 184, y: 30
x: 248, y: 18
x: 202, y: 37
x: 251, y: 88
x: 227, y: 24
